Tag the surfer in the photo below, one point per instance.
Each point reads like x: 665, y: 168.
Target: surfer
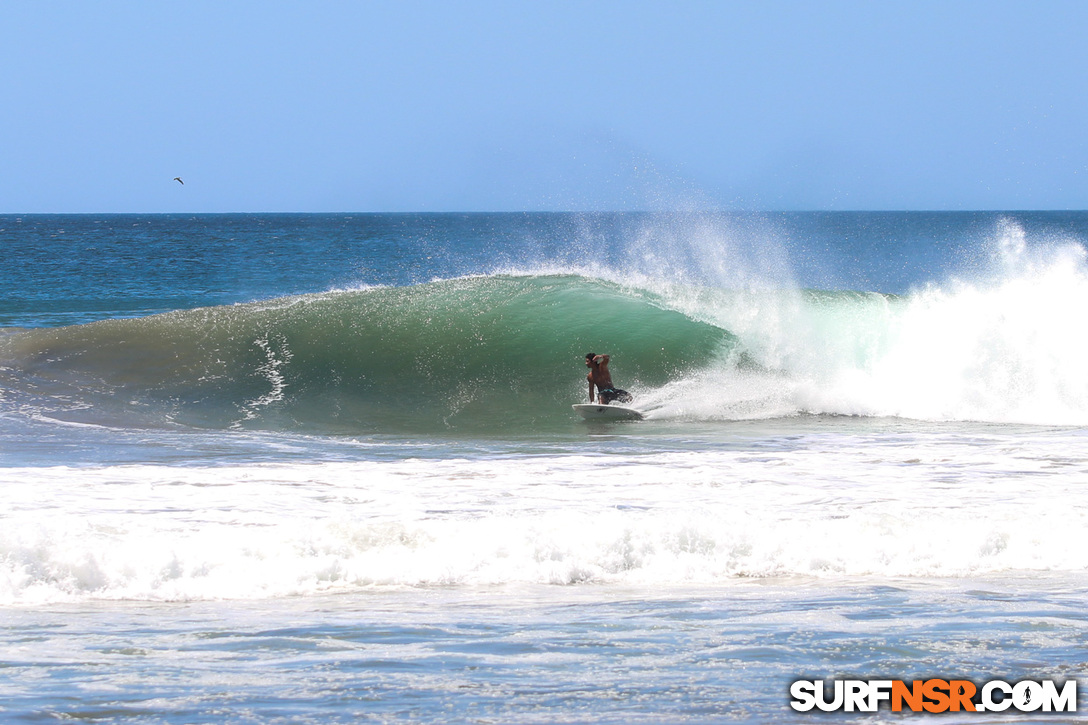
x: 601, y: 378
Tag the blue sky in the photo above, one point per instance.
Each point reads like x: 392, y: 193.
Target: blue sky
x: 429, y: 106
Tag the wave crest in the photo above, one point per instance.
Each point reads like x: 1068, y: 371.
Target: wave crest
x: 504, y: 353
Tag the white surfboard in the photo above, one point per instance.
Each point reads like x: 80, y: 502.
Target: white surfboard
x: 595, y: 411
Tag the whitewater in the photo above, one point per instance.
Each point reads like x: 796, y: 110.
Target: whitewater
x: 291, y: 468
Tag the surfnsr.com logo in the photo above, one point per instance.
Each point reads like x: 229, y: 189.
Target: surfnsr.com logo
x: 934, y: 695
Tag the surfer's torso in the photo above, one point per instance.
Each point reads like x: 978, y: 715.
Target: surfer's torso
x: 600, y: 377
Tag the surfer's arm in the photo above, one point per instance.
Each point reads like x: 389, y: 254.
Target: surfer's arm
x: 591, y: 392
x: 602, y: 366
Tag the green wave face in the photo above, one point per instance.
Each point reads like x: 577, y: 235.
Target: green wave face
x: 483, y: 353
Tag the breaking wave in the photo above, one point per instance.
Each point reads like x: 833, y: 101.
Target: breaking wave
x: 504, y: 352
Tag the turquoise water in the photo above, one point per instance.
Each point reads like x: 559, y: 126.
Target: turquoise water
x: 294, y: 468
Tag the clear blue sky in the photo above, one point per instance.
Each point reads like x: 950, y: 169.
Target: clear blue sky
x: 436, y: 106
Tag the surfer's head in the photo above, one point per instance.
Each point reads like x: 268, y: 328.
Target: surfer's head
x: 589, y: 357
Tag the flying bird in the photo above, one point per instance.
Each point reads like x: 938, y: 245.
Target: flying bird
x: 178, y: 179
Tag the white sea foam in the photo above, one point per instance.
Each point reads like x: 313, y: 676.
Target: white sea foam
x: 1001, y: 347
x: 840, y: 506
x: 270, y: 370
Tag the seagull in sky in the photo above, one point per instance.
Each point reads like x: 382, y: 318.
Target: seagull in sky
x: 178, y: 179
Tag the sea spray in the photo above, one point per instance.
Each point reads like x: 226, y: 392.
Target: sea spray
x: 997, y: 346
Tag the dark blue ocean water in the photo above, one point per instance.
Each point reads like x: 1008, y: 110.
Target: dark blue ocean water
x: 73, y: 268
